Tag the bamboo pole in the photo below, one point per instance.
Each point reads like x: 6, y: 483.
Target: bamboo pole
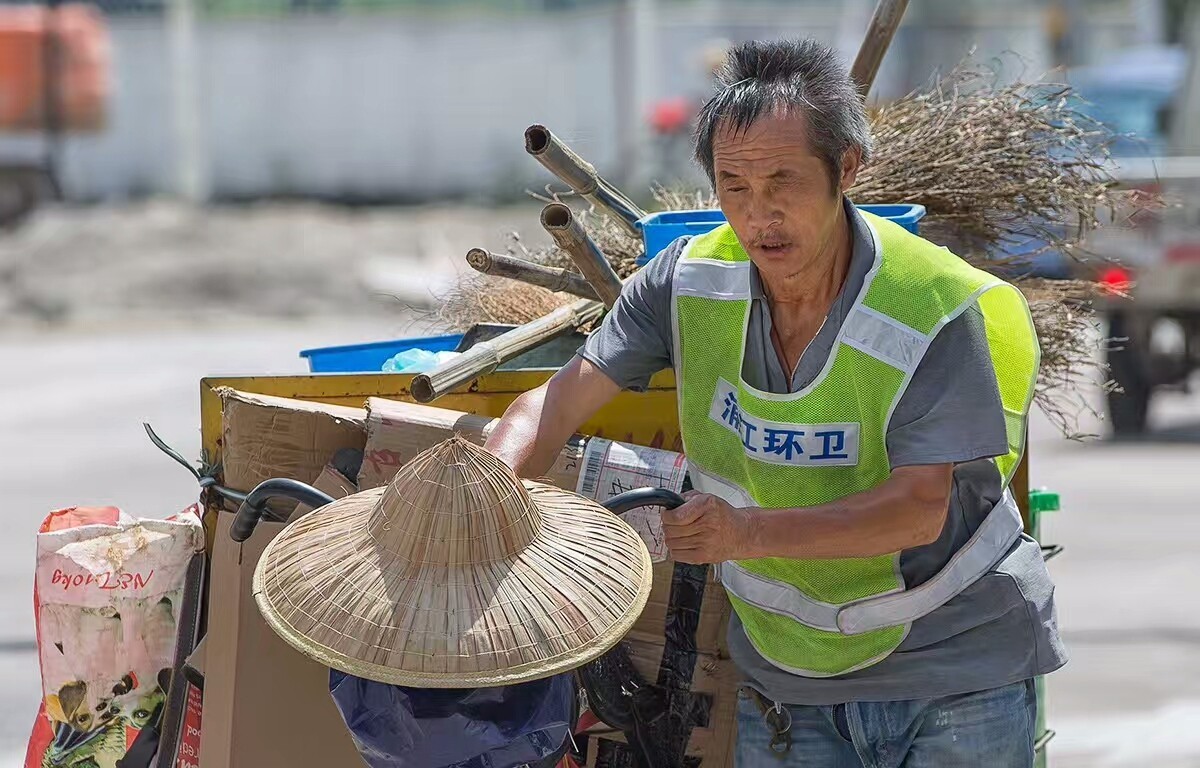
x: 1020, y: 489
x: 486, y: 356
x: 560, y: 222
x: 581, y: 177
x: 513, y: 268
x: 880, y: 32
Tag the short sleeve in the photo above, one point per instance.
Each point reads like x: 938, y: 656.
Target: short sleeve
x: 635, y: 341
x: 951, y: 411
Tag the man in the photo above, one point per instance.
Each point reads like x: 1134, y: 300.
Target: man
x: 853, y: 403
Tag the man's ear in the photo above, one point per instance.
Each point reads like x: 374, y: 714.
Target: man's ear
x: 851, y: 162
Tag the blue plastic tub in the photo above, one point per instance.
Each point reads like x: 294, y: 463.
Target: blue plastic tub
x: 906, y: 216
x: 660, y: 229
x: 369, y: 358
x: 355, y: 358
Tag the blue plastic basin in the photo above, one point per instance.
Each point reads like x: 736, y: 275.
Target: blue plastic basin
x: 661, y: 229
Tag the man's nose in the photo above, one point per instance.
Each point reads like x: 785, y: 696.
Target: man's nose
x: 765, y: 211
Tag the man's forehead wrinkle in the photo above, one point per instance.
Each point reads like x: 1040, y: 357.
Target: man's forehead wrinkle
x: 733, y: 145
x: 758, y: 154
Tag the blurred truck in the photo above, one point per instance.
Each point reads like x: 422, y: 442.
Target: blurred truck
x: 1151, y: 98
x: 54, y: 69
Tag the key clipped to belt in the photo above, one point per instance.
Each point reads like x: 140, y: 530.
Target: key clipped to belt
x: 778, y: 719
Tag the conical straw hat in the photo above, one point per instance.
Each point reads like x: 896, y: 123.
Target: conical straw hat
x: 456, y: 575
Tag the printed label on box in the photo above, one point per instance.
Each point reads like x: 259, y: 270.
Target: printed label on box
x: 612, y: 468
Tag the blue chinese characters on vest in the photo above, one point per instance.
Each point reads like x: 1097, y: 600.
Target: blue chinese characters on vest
x: 782, y: 443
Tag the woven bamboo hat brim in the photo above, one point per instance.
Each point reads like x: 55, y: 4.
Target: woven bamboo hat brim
x: 456, y: 575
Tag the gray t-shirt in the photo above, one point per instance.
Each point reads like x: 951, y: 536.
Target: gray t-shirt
x: 1002, y: 629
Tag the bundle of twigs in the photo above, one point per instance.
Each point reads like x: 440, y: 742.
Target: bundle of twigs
x: 994, y: 166
x: 1069, y: 341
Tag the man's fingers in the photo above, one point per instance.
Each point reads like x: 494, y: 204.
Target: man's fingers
x: 683, y: 532
x: 690, y: 528
x: 694, y: 527
x: 687, y: 512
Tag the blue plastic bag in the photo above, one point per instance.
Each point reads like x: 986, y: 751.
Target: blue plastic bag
x: 417, y: 361
x: 399, y: 727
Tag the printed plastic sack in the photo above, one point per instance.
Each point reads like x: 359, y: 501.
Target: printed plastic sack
x: 106, y: 595
x: 503, y: 727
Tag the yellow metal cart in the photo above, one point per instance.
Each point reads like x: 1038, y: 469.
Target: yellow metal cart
x: 648, y: 418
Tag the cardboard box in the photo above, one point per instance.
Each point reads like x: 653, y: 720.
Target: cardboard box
x: 331, y: 482
x: 265, y: 704
x: 265, y: 437
x: 712, y: 744
x: 398, y: 431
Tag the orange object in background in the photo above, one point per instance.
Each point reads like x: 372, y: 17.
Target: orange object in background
x: 81, y: 40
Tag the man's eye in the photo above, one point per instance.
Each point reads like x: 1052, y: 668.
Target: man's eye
x: 735, y: 189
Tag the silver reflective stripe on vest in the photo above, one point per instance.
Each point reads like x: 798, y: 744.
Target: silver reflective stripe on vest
x: 778, y: 597
x: 706, y: 482
x: 709, y: 279
x: 991, y: 541
x: 984, y: 549
x: 884, y: 338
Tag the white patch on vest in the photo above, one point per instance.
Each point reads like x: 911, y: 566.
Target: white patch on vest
x: 801, y: 445
x: 884, y: 338
x: 720, y: 280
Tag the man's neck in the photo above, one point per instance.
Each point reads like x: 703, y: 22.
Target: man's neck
x: 818, y: 280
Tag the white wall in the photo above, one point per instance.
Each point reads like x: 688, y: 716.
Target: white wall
x: 355, y: 105
x: 411, y: 106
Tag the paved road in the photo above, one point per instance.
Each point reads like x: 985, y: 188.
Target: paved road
x: 70, y: 416
x: 71, y: 410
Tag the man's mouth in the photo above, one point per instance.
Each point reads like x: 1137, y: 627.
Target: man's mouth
x: 774, y: 246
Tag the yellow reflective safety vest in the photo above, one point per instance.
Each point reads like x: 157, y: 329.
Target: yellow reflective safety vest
x: 820, y: 618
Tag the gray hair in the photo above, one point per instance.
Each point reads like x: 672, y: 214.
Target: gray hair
x: 802, y: 76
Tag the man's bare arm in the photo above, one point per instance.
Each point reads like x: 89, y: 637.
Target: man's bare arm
x: 907, y: 510
x: 539, y: 422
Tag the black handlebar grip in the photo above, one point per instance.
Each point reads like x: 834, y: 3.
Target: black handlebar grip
x: 252, y: 509
x: 643, y: 497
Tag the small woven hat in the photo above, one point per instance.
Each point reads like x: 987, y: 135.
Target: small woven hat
x: 456, y: 575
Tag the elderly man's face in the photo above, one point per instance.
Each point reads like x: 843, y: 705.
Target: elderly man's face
x: 776, y: 194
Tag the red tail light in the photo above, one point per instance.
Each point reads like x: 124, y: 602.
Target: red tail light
x: 1116, y: 279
